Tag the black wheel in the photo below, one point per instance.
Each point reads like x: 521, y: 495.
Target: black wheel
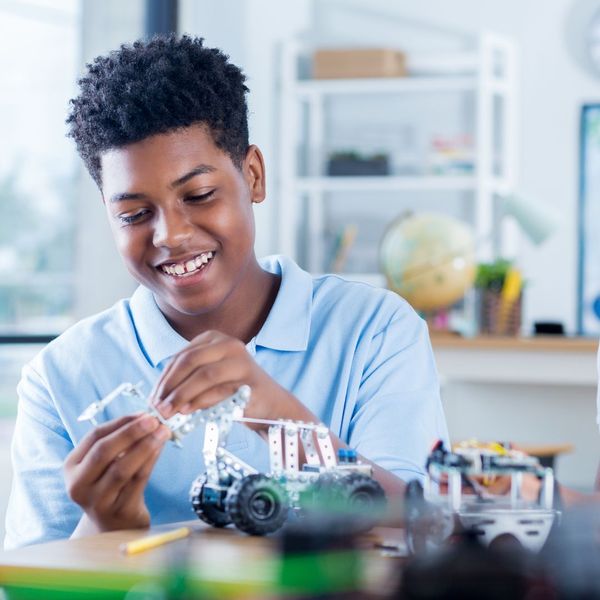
x: 257, y: 505
x: 362, y: 492
x: 208, y: 502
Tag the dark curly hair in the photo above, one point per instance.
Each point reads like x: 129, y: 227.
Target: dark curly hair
x: 156, y: 86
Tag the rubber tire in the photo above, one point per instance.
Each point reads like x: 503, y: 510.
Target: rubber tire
x: 207, y: 511
x: 242, y: 504
x: 358, y: 486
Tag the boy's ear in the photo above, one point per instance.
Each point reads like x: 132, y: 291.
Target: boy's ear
x: 254, y: 173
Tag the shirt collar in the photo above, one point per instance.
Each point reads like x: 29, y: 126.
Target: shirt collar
x: 158, y: 340
x: 287, y: 327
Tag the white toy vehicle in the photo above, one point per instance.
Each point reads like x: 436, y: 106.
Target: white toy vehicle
x: 231, y: 491
x: 433, y: 516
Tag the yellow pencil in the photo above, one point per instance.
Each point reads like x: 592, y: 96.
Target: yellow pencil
x: 153, y: 541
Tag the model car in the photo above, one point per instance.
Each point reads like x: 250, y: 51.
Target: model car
x: 454, y: 497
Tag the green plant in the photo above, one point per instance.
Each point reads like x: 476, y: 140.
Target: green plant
x: 491, y: 276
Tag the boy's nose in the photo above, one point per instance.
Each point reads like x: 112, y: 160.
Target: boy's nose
x: 172, y: 230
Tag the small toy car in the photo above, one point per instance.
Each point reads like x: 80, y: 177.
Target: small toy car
x: 433, y: 514
x: 231, y: 491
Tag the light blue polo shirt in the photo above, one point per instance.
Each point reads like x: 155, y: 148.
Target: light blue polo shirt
x: 357, y: 356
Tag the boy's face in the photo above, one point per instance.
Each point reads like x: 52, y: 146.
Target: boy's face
x: 181, y: 214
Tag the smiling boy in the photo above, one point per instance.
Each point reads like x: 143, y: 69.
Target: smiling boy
x: 162, y: 128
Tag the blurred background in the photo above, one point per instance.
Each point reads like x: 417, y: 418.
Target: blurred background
x: 448, y: 149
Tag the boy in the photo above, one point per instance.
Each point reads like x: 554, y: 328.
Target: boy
x: 162, y: 128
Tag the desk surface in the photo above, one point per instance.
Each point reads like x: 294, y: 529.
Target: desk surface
x: 222, y: 563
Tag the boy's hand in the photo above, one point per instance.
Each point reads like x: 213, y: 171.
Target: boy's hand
x: 212, y: 368
x: 106, y: 474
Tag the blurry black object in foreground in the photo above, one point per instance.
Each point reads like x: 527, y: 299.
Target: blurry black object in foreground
x: 567, y: 568
x: 571, y: 557
x: 467, y: 570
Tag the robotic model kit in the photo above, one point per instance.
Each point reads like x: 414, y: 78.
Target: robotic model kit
x: 232, y: 491
x: 432, y: 516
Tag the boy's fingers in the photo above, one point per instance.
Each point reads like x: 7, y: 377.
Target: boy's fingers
x: 136, y: 486
x: 204, y: 339
x: 79, y: 452
x: 209, y: 397
x: 122, y: 471
x: 108, y: 448
x: 228, y: 371
x: 184, y: 364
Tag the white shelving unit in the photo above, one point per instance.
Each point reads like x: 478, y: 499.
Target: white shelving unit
x: 487, y: 74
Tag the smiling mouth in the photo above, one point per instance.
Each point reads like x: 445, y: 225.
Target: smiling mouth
x: 188, y: 267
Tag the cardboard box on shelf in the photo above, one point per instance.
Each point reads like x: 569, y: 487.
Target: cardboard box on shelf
x: 358, y: 62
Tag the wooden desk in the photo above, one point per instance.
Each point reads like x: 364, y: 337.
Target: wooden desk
x: 221, y: 563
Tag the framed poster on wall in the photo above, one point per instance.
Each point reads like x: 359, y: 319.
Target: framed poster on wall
x: 588, y: 301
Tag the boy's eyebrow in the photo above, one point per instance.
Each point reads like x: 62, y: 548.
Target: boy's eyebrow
x: 126, y: 196
x: 199, y: 170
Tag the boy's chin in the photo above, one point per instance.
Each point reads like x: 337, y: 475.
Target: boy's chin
x: 187, y: 306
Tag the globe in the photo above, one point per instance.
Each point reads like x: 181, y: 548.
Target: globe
x: 429, y: 259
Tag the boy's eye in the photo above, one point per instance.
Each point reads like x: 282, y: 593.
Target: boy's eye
x: 200, y: 197
x: 133, y: 218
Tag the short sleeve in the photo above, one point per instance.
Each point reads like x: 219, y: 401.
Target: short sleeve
x: 39, y: 508
x: 398, y: 415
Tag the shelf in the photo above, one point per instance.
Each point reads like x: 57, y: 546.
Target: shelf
x: 518, y: 344
x: 467, y: 84
x: 391, y: 183
x: 400, y: 85
x: 450, y: 63
x: 542, y: 361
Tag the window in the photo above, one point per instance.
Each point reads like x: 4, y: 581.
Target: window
x: 39, y: 63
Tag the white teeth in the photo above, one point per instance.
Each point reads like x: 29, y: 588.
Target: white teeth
x: 189, y: 267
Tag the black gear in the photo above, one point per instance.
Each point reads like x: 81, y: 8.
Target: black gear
x: 207, y: 502
x: 257, y: 505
